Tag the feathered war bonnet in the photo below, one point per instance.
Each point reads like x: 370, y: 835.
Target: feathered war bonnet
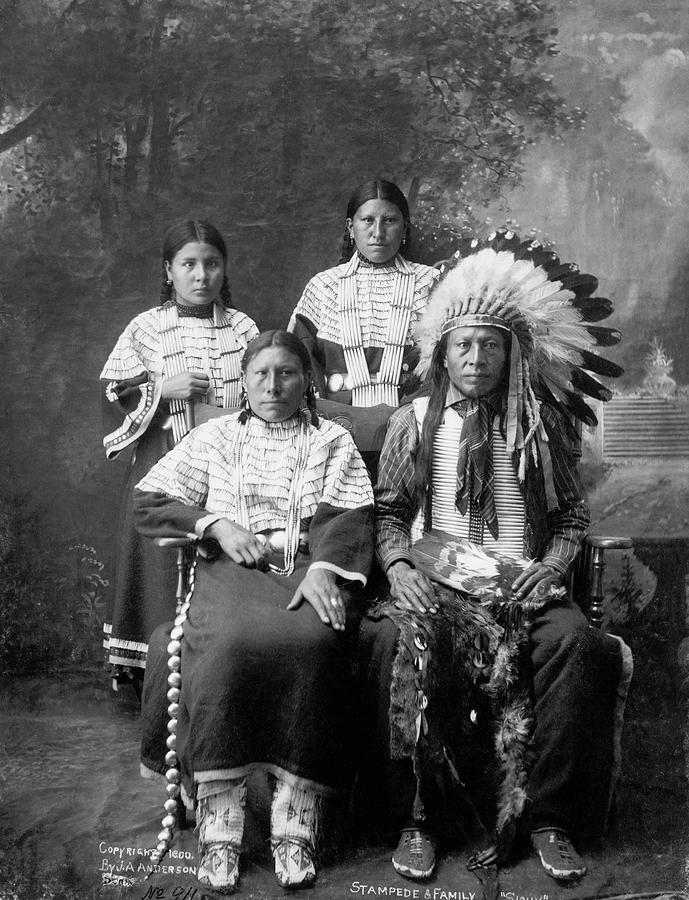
x: 549, y: 309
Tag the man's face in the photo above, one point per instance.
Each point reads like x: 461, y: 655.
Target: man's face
x: 475, y: 359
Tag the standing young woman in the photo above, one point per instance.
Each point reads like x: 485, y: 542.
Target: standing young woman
x: 356, y: 318
x: 186, y: 350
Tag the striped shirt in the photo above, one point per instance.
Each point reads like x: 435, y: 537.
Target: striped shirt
x: 509, y: 503
x: 551, y: 533
x: 159, y: 343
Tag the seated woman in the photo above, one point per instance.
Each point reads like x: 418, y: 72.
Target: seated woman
x: 285, y: 501
x: 356, y: 319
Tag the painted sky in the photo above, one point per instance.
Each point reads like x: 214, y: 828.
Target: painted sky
x: 613, y: 197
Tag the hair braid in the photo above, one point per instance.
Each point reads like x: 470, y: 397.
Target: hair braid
x: 165, y: 288
x: 310, y: 396
x: 348, y: 247
x: 226, y: 293
x: 423, y: 454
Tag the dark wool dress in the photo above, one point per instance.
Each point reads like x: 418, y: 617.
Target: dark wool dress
x: 263, y: 687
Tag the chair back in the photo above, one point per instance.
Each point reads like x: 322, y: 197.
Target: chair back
x: 367, y: 425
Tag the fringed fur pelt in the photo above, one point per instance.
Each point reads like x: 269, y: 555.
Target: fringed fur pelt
x: 465, y: 651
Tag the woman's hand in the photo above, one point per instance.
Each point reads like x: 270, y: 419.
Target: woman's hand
x: 240, y: 545
x: 186, y: 386
x: 538, y: 577
x: 319, y: 588
x: 411, y: 589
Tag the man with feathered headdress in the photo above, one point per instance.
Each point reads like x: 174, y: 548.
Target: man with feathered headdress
x: 490, y: 642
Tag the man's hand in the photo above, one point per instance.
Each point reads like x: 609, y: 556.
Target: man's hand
x: 186, y: 386
x: 536, y: 580
x: 241, y: 545
x: 319, y: 588
x: 410, y: 589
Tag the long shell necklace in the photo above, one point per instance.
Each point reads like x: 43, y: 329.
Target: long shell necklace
x: 293, y: 514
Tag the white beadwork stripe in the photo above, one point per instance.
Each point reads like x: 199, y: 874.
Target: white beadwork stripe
x: 373, y: 394
x: 174, y: 364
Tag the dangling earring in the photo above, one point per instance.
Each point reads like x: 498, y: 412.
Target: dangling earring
x: 244, y: 406
x: 169, y: 282
x: 310, y: 397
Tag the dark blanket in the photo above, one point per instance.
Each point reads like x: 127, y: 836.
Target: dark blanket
x: 261, y: 686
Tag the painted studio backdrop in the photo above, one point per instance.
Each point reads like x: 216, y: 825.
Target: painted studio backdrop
x: 568, y: 121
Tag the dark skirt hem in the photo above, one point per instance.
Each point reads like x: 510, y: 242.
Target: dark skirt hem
x: 151, y: 772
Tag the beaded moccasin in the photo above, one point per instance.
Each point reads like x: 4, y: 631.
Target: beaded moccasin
x: 219, y: 867
x: 294, y: 863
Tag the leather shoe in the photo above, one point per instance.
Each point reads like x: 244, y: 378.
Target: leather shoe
x: 415, y: 854
x: 557, y: 854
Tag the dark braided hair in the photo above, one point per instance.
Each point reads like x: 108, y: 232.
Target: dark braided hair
x: 376, y: 189
x: 439, y: 381
x: 192, y: 231
x: 290, y: 342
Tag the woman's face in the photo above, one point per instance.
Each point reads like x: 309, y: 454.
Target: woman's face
x: 377, y: 229
x: 197, y: 272
x: 275, y: 382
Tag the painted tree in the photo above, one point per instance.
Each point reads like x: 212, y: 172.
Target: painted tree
x: 116, y: 114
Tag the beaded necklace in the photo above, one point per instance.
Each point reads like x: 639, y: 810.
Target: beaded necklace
x: 293, y: 515
x: 204, y: 311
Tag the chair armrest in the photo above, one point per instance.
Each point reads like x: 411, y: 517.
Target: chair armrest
x: 167, y: 542
x: 181, y: 544
x: 603, y: 542
x: 592, y: 565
